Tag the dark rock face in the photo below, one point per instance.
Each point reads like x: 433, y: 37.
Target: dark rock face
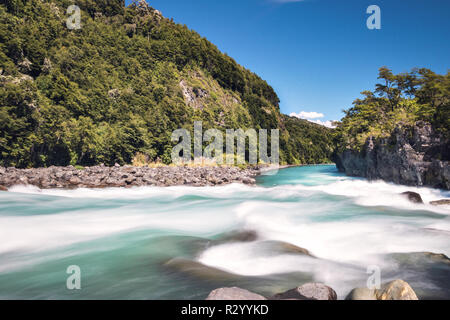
x: 127, y: 176
x: 309, y: 291
x: 413, y: 197
x: 234, y: 294
x: 411, y: 156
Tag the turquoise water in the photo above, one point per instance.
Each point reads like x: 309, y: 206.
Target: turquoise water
x: 183, y: 242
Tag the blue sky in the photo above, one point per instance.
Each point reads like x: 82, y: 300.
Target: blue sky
x: 319, y: 54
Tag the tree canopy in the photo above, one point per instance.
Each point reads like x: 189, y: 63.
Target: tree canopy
x: 120, y: 85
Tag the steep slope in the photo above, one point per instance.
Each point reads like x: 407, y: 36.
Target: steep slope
x: 120, y: 85
x: 401, y: 135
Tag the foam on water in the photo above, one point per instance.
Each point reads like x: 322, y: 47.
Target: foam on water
x: 348, y: 224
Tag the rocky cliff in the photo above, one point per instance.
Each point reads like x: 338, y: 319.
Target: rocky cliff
x: 412, y: 155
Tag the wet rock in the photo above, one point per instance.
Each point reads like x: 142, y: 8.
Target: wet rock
x: 3, y: 188
x: 234, y: 294
x: 444, y: 202
x: 241, y: 236
x: 394, y: 290
x: 362, y: 294
x: 309, y: 291
x: 414, y: 197
x: 198, y: 270
x: 285, y: 248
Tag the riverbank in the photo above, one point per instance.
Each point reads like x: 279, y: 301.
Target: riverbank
x: 126, y: 176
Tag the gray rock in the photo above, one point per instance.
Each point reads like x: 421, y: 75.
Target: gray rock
x: 126, y: 176
x: 415, y: 156
x: 234, y: 294
x: 309, y: 291
x: 413, y: 197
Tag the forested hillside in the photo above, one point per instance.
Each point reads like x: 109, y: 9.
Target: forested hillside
x: 400, y: 132
x: 120, y: 85
x: 398, y: 100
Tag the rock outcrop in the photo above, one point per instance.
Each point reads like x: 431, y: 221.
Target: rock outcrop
x: 126, y: 176
x: 415, y: 156
x: 234, y: 294
x: 309, y: 291
x: 394, y: 290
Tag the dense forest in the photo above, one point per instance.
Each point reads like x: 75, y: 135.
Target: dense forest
x: 118, y: 86
x: 398, y: 100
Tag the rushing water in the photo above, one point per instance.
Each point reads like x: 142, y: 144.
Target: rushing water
x: 182, y: 242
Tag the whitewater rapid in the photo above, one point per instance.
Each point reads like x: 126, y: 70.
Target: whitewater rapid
x: 347, y: 224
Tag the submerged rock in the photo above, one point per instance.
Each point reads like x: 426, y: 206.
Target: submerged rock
x: 234, y: 294
x: 444, y: 202
x: 240, y: 236
x: 414, y: 197
x: 198, y: 270
x: 309, y: 291
x: 394, y: 290
x: 285, y: 248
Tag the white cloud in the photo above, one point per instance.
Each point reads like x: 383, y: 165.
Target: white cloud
x: 307, y: 115
x: 313, y: 117
x: 328, y: 124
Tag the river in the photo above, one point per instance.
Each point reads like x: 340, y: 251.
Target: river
x: 183, y: 242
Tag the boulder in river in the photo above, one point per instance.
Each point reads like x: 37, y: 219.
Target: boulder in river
x: 285, y: 248
x: 309, y: 291
x: 198, y: 270
x: 240, y: 236
x: 414, y: 197
x: 394, y: 290
x: 3, y: 188
x: 444, y: 202
x: 234, y: 294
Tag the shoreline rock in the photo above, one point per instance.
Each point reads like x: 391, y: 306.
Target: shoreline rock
x: 126, y: 177
x: 394, y: 290
x: 308, y: 291
x: 224, y: 294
